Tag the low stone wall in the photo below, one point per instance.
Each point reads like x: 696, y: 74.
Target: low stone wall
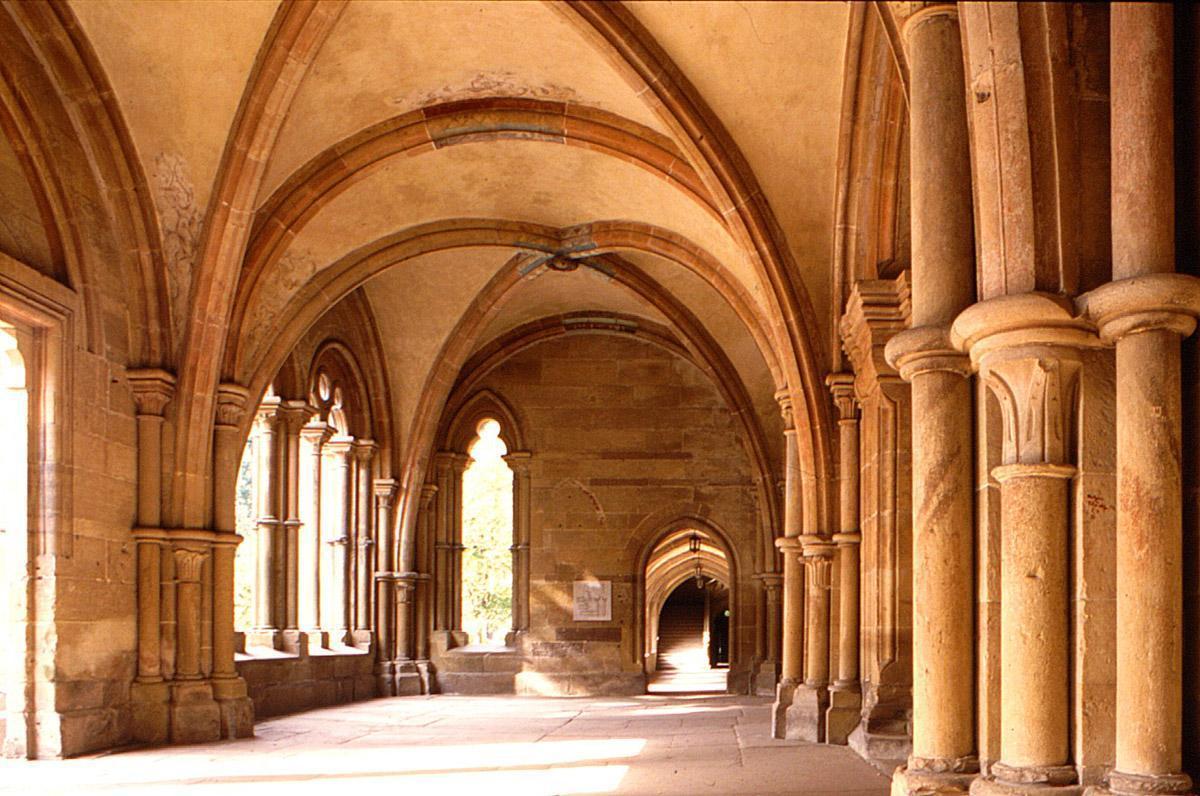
x: 287, y: 683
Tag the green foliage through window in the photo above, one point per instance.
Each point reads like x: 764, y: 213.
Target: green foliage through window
x: 487, y: 539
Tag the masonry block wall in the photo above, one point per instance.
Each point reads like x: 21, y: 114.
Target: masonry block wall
x: 622, y: 434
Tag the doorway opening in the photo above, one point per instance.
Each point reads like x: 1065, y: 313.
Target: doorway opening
x: 487, y: 539
x: 688, y: 614
x: 15, y: 573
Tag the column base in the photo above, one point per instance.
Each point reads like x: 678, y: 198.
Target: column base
x: 151, y: 722
x: 844, y: 713
x: 1006, y: 780
x: 940, y: 776
x: 805, y: 717
x: 293, y: 641
x: 193, y: 713
x: 236, y: 707
x: 407, y: 679
x: 264, y: 637
x: 425, y: 674
x: 316, y: 639
x: 1121, y: 784
x: 765, y: 678
x: 385, y: 678
x: 784, y: 692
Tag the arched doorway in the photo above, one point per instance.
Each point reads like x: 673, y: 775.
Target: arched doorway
x: 688, y: 613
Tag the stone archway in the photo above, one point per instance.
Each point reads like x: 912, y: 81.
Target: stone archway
x: 687, y: 589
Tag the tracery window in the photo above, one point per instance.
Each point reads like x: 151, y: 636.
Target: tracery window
x: 487, y: 537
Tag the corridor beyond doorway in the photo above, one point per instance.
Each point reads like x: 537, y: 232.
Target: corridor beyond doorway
x: 448, y: 744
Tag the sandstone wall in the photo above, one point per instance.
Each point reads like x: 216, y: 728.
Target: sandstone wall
x: 625, y: 437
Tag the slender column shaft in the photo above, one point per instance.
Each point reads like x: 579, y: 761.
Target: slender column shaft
x: 392, y: 630
x: 1034, y: 665
x: 423, y: 551
x: 842, y: 387
x: 188, y: 566
x: 340, y: 491
x: 442, y: 542
x: 1149, y: 480
x: 293, y: 416
x: 364, y: 453
x: 943, y: 284
x: 458, y: 466
x: 149, y: 655
x: 519, y: 463
x: 313, y: 438
x: 818, y: 561
x: 266, y: 452
x: 227, y: 456
x: 792, y: 668
x: 772, y: 584
x: 152, y: 391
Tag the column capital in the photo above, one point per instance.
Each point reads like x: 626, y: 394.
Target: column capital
x: 316, y: 433
x: 770, y: 580
x: 841, y: 386
x: 819, y: 569
x: 784, y: 398
x: 847, y: 539
x: 364, y: 449
x: 232, y: 400
x: 925, y: 349
x: 789, y: 544
x: 294, y: 415
x: 188, y: 564
x: 916, y: 12
x: 876, y: 310
x: 428, y: 492
x: 339, y: 447
x: 267, y: 412
x: 1167, y: 301
x: 152, y: 389
x: 385, y: 491
x: 518, y: 461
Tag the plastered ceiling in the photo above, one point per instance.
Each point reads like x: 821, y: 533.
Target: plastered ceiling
x: 770, y: 73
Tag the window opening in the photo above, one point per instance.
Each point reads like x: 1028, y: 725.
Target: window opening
x: 487, y: 537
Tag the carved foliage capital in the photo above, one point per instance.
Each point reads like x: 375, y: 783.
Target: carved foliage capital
x: 385, y: 491
x: 784, y: 398
x: 818, y: 569
x: 294, y: 415
x: 1036, y: 391
x: 188, y: 564
x: 152, y: 390
x: 232, y: 400
x: 364, y: 450
x: 841, y: 386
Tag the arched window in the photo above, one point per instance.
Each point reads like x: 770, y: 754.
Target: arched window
x: 14, y: 532
x: 487, y: 538
x: 305, y: 510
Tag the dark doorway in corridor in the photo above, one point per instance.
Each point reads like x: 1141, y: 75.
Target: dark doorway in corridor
x: 693, y: 631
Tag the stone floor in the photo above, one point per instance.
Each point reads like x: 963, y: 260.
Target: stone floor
x: 481, y: 745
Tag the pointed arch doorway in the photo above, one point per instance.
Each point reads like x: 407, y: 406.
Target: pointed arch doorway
x: 688, y: 611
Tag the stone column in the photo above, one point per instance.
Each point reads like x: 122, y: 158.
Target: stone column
x: 313, y: 437
x: 772, y: 584
x: 364, y: 455
x: 152, y: 391
x: 292, y: 417
x: 229, y: 689
x: 458, y: 466
x: 845, y: 695
x: 806, y: 715
x: 388, y: 622
x: 188, y: 564
x: 1026, y: 347
x: 943, y: 284
x: 336, y: 615
x: 519, y: 462
x: 1146, y: 311
x: 792, y: 659
x: 269, y: 553
x: 443, y: 541
x: 422, y: 551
